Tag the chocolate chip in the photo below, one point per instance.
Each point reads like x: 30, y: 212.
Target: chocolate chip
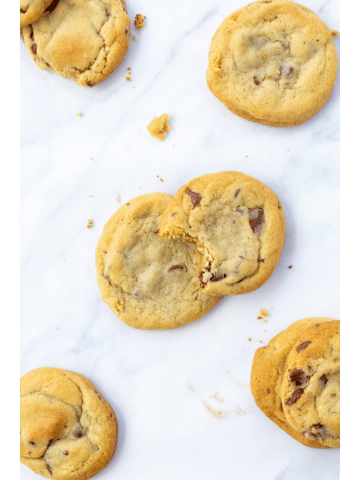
x: 173, y: 214
x: 237, y: 192
x: 175, y: 267
x: 240, y: 210
x: 216, y: 278
x: 34, y: 48
x: 65, y: 452
x: 317, y: 325
x: 110, y: 414
x: 78, y: 433
x: 256, y: 219
x: 32, y: 443
x: 323, y: 380
x: 261, y: 260
x: 156, y: 232
x: 52, y: 6
x: 194, y: 197
x: 321, y: 430
x: 286, y: 69
x: 126, y: 31
x: 298, y: 377
x: 267, y: 390
x: 256, y: 80
x: 309, y: 368
x: 22, y: 11
x: 303, y: 345
x: 294, y: 397
x: 290, y: 266
x: 333, y: 395
x: 49, y: 468
x: 91, y: 84
x: 104, y: 251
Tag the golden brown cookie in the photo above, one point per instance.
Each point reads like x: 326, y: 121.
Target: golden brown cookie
x: 148, y: 282
x: 310, y: 387
x: 267, y: 375
x: 237, y: 224
x: 81, y: 40
x: 68, y: 430
x: 273, y: 62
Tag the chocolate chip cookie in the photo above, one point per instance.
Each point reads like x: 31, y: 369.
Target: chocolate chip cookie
x: 148, y: 282
x: 81, y: 40
x: 295, y: 381
x: 68, y: 431
x: 273, y: 62
x: 310, y: 388
x: 236, y: 223
x: 31, y: 10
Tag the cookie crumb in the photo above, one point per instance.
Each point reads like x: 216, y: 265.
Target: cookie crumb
x: 91, y: 158
x: 118, y: 198
x: 246, y: 156
x: 190, y: 387
x: 161, y: 180
x: 263, y: 312
x: 290, y: 266
x: 90, y: 196
x: 259, y: 318
x: 90, y: 224
x: 335, y: 32
x: 134, y: 37
x: 79, y: 114
x: 128, y: 79
x: 249, y: 339
x: 158, y: 127
x: 139, y: 21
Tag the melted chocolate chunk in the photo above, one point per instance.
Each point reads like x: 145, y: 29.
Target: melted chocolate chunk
x: 298, y: 377
x: 303, y: 345
x: 294, y: 397
x: 237, y: 192
x: 176, y: 267
x: 323, y: 380
x: 256, y: 219
x: 310, y: 368
x: 34, y: 48
x: 78, y: 433
x: 216, y: 278
x: 256, y: 80
x: 286, y: 69
x: 91, y: 84
x: 321, y: 430
x: 32, y: 443
x: 65, y: 452
x: 156, y: 232
x: 194, y: 197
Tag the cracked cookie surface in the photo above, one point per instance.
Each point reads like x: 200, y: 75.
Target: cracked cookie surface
x: 273, y: 62
x: 310, y: 387
x: 236, y: 222
x: 148, y: 282
x: 68, y: 430
x: 81, y: 40
x: 269, y: 373
x: 31, y: 10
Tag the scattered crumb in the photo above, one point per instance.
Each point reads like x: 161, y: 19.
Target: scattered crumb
x: 265, y: 330
x: 91, y: 158
x: 90, y: 196
x: 128, y: 79
x: 259, y: 318
x: 263, y: 312
x: 265, y: 320
x: 335, y: 32
x: 263, y: 55
x: 57, y: 328
x: 118, y: 198
x: 271, y: 308
x: 90, y: 224
x: 216, y: 396
x: 64, y: 259
x: 158, y: 127
x: 214, y: 412
x: 290, y: 266
x: 246, y: 156
x: 190, y: 387
x: 79, y: 114
x: 129, y: 69
x: 249, y: 339
x: 134, y: 37
x: 288, y: 149
x: 139, y: 186
x: 161, y: 180
x: 260, y: 341
x: 139, y: 21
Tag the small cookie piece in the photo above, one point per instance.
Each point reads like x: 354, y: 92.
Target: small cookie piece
x: 310, y: 387
x: 237, y: 224
x: 139, y: 21
x: 158, y: 127
x: 68, y: 430
x: 81, y: 40
x: 31, y: 10
x: 149, y: 283
x: 272, y: 62
x: 267, y: 375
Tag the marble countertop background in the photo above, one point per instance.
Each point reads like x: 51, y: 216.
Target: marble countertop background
x: 182, y: 397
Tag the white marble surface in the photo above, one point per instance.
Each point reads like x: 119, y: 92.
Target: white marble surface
x: 161, y: 384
